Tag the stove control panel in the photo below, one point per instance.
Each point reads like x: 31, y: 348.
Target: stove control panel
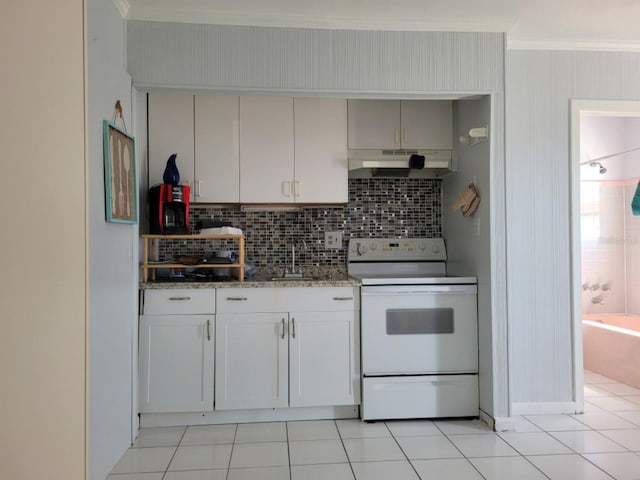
x: 396, y: 249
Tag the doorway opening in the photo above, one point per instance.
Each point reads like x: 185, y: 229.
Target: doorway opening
x: 605, y: 174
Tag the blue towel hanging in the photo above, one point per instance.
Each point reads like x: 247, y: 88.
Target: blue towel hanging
x: 635, y: 203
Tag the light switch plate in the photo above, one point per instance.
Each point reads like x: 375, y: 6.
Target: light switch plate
x: 332, y: 240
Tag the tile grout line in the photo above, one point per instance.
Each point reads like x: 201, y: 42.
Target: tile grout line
x: 164, y: 474
x: 346, y: 454
x: 235, y: 434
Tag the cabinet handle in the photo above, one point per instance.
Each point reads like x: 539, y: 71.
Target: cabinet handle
x: 197, y: 185
x: 293, y: 327
x: 179, y: 299
x: 286, y: 188
x: 296, y: 189
x: 396, y: 136
x: 237, y: 299
x: 342, y: 298
x: 282, y: 335
x: 405, y: 134
x: 208, y: 330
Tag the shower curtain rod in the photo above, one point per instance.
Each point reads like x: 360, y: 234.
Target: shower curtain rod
x: 609, y: 156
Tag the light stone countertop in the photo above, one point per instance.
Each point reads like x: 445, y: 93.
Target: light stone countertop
x: 334, y: 281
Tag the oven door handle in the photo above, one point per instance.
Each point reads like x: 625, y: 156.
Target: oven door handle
x: 430, y: 290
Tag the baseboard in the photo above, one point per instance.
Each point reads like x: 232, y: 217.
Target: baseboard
x: 542, y: 408
x: 246, y: 416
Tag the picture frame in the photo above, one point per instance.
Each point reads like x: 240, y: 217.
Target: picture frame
x: 120, y: 179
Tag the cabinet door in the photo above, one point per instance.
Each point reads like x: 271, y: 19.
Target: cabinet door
x: 324, y: 367
x: 426, y: 124
x: 374, y: 124
x: 266, y: 149
x: 321, y: 168
x: 176, y: 363
x: 171, y: 131
x: 217, y: 154
x: 251, y: 361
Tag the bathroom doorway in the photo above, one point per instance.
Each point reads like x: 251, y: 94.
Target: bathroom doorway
x: 605, y: 168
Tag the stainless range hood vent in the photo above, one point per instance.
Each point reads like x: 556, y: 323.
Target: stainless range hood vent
x: 399, y: 163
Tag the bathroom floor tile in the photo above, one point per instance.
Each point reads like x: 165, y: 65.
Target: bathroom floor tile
x: 141, y: 460
x: 502, y: 468
x: 209, y: 435
x: 412, y: 428
x: 592, y: 377
x: 629, y: 439
x: 197, y: 475
x: 310, y: 452
x: 540, y: 443
x: 450, y: 468
x: 201, y: 457
x: 312, y: 430
x: 588, y: 441
x: 360, y: 429
x: 261, y: 432
x: 483, y: 445
x: 556, y: 423
x: 621, y: 466
x: 396, y: 470
x: 595, y: 391
x: 632, y: 398
x: 159, y: 437
x: 620, y: 389
x: 270, y: 454
x: 426, y: 447
x: 372, y: 449
x: 602, y: 421
x: 614, y: 404
x: 259, y: 473
x: 631, y: 417
x: 328, y: 471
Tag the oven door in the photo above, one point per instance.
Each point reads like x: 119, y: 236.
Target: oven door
x: 419, y: 329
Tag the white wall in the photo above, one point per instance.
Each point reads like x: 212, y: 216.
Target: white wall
x: 468, y: 238
x: 43, y: 242
x: 113, y: 255
x: 539, y: 86
x: 353, y: 63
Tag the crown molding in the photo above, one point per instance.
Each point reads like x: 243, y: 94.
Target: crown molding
x: 573, y: 45
x: 123, y: 7
x: 317, y: 22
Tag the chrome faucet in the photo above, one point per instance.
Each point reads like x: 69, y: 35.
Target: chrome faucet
x: 598, y: 299
x: 293, y: 273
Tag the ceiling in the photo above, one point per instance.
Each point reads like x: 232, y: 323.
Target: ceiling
x: 547, y: 24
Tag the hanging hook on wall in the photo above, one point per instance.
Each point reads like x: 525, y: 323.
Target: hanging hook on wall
x: 117, y: 112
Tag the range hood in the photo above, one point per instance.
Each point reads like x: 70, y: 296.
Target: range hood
x: 399, y: 163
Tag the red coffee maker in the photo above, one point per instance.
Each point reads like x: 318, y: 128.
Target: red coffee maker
x: 169, y: 209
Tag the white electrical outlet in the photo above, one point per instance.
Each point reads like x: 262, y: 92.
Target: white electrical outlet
x: 332, y: 240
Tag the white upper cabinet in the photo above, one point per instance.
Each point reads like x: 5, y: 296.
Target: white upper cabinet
x: 426, y: 124
x: 394, y: 124
x: 217, y: 149
x: 171, y: 131
x: 203, y: 131
x: 321, y: 168
x: 266, y: 149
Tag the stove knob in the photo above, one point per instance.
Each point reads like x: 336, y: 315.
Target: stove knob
x: 435, y: 249
x: 362, y: 249
x: 373, y: 246
x: 422, y: 246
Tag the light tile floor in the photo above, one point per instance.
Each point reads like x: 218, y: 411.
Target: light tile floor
x: 601, y: 444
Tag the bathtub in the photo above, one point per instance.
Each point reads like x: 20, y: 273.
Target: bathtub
x: 611, y: 346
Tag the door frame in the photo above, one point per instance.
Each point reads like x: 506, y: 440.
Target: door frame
x: 609, y: 108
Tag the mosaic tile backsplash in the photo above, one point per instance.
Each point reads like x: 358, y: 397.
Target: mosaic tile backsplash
x: 382, y: 207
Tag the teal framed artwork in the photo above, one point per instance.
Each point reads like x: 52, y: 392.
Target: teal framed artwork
x: 120, y: 181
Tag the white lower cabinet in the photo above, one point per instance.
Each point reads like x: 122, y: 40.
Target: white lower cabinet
x: 275, y: 359
x: 176, y: 363
x: 176, y: 350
